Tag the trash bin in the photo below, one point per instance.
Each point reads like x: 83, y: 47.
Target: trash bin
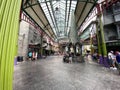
x: 20, y: 58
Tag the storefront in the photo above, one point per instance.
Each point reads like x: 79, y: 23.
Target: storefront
x: 114, y: 46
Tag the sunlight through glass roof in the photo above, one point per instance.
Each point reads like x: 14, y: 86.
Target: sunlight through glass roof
x: 58, y: 13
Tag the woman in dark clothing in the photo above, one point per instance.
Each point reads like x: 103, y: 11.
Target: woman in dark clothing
x: 117, y: 64
x: 118, y: 57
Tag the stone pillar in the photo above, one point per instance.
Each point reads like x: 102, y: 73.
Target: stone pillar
x: 23, y: 39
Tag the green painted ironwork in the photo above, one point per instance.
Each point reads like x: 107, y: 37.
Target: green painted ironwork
x: 9, y: 24
x: 104, y: 50
x: 31, y: 5
x: 98, y: 40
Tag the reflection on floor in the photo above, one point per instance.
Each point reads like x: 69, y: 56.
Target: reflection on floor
x: 53, y: 74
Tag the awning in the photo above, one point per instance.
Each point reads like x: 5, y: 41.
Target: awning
x: 33, y: 9
x: 83, y: 9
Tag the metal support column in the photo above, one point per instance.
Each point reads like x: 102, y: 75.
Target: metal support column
x: 104, y: 50
x: 9, y: 24
x: 98, y: 42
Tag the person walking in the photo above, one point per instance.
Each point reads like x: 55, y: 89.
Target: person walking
x: 112, y: 59
x: 36, y: 55
x: 117, y: 64
x: 33, y: 55
x: 118, y: 56
x: 30, y: 55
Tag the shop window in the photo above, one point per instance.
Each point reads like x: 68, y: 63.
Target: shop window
x: 116, y: 7
x: 112, y: 38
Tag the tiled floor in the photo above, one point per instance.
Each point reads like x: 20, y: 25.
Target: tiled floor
x: 53, y: 74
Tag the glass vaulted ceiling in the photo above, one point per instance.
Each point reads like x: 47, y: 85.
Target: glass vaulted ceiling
x: 58, y: 12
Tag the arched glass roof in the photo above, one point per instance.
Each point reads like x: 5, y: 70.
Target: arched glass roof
x: 54, y: 16
x: 58, y: 13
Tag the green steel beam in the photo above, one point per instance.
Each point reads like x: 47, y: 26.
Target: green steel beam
x: 2, y: 7
x: 98, y: 40
x: 102, y: 36
x: 2, y: 36
x: 103, y: 57
x: 8, y: 37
